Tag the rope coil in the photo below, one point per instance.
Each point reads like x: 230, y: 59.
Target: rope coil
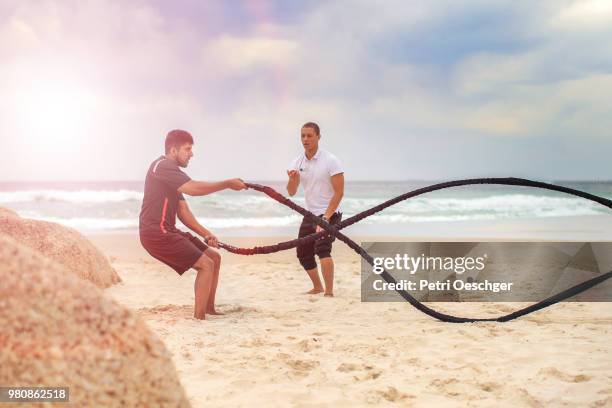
x: 335, y: 231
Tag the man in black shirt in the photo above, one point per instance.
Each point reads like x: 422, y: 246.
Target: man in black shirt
x: 163, y: 200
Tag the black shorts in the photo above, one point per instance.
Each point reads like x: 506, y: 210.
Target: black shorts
x: 321, y: 247
x: 179, y: 250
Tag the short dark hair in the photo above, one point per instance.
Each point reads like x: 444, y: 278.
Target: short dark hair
x: 313, y: 126
x: 177, y: 138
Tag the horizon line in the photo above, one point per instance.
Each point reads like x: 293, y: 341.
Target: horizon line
x: 283, y: 180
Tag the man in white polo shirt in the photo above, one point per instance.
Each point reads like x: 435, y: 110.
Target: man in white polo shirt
x: 322, y: 176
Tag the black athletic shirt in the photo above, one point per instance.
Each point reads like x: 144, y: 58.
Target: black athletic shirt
x: 160, y: 202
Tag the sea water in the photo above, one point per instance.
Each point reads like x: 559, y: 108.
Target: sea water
x: 98, y: 206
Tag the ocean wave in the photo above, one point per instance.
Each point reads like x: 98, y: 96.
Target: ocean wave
x: 88, y: 210
x: 228, y: 204
x: 503, y: 203
x: 75, y: 197
x: 95, y: 224
x: 509, y: 203
x: 117, y: 196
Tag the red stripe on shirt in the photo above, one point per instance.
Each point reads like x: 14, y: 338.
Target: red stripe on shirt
x: 163, y: 218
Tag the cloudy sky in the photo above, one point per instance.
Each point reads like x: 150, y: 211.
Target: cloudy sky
x: 401, y: 89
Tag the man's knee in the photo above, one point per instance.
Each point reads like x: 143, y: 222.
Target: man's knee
x: 204, y: 263
x: 324, y: 255
x: 306, y: 256
x: 214, y: 256
x: 308, y: 263
x: 323, y: 251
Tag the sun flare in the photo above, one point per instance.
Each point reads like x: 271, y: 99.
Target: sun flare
x: 55, y: 111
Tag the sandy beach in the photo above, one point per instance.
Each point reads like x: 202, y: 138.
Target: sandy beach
x: 277, y: 347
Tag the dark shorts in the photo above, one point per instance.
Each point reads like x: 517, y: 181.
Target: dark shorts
x: 179, y: 250
x: 321, y: 247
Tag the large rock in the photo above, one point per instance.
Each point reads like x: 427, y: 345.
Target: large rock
x: 59, y: 330
x: 63, y: 245
x: 7, y: 212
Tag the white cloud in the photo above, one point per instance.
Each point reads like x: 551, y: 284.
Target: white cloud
x: 243, y: 54
x: 585, y: 15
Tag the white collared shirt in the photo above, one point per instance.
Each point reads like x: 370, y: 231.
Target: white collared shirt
x: 315, y: 176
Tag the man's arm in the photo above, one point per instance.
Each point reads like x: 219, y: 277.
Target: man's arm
x: 337, y: 181
x: 186, y: 216
x: 201, y: 188
x: 294, y: 182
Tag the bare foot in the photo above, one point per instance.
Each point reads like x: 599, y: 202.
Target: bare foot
x: 214, y: 312
x: 314, y: 291
x: 329, y: 295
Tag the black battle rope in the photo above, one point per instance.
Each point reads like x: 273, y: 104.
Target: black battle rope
x: 335, y: 231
